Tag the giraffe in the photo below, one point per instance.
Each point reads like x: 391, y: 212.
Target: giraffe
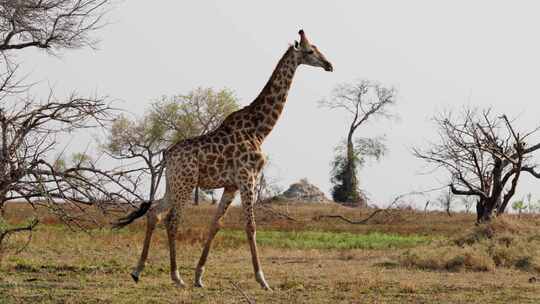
x: 230, y: 157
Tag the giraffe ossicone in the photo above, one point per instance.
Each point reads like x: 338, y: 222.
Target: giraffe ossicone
x: 229, y: 157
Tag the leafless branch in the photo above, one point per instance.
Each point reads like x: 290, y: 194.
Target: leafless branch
x: 50, y: 24
x: 5, y: 233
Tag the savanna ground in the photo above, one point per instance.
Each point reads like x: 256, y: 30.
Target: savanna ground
x: 398, y: 257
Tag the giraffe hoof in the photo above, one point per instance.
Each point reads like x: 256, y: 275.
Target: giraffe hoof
x: 259, y: 276
x: 180, y: 284
x: 198, y: 277
x: 199, y: 284
x: 177, y: 280
x: 134, y: 277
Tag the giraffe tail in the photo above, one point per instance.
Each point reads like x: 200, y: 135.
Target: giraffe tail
x: 128, y: 219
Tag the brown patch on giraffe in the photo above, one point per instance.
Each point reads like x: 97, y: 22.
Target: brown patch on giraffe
x: 211, y: 158
x: 220, y: 166
x: 245, y: 158
x: 212, y: 171
x: 229, y: 151
x: 265, y: 129
x: 267, y: 109
x: 248, y: 124
x: 203, y: 170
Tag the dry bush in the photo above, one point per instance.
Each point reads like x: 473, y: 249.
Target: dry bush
x: 504, y: 242
x: 504, y: 228
x: 450, y: 258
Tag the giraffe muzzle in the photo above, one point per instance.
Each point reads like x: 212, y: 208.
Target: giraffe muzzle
x: 328, y: 67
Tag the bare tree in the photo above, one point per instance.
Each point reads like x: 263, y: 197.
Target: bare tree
x: 29, y: 131
x: 30, y: 127
x: 484, y: 156
x: 365, y: 101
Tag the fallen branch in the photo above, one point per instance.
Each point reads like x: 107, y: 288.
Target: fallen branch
x: 275, y: 212
x: 341, y: 217
x: 365, y: 220
x: 244, y: 295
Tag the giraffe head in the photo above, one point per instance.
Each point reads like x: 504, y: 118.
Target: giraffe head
x: 308, y: 53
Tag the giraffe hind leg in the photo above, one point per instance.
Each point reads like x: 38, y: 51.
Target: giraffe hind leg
x: 179, y: 198
x: 153, y: 218
x: 171, y: 223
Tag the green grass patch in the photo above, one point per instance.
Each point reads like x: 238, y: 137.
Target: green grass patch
x: 329, y: 240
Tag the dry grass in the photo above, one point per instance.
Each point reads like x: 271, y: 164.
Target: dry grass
x: 504, y: 242
x: 63, y: 266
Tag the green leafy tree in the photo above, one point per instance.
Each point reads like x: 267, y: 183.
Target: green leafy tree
x: 345, y: 185
x: 183, y: 116
x: 169, y: 120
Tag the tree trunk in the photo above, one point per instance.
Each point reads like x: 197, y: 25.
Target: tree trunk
x: 485, y: 209
x: 350, y: 181
x: 3, y: 203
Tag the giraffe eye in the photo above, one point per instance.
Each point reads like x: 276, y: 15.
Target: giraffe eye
x: 310, y: 52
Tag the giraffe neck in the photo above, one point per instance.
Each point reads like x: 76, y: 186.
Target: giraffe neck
x: 267, y: 107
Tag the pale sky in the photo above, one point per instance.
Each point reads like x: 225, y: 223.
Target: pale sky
x: 439, y: 54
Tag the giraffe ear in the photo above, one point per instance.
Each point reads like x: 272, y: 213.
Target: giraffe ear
x: 296, y: 44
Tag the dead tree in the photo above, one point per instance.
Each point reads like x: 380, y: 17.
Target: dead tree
x: 484, y: 155
x: 32, y: 166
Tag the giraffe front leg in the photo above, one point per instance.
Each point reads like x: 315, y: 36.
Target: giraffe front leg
x: 226, y: 199
x: 248, y: 200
